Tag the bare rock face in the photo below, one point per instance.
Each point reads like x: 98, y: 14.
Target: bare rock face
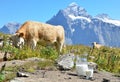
x: 66, y: 61
x: 93, y: 65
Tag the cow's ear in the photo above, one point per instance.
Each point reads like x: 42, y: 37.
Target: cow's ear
x: 21, y: 34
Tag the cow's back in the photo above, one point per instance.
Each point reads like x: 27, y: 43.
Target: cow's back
x: 39, y: 30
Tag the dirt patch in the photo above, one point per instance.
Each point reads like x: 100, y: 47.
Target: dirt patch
x: 64, y: 76
x: 56, y: 75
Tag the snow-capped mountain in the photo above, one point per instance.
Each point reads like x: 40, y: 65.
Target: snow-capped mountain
x: 82, y: 28
x: 10, y: 28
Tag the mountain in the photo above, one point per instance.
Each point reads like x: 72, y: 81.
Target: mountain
x: 82, y: 28
x: 10, y: 28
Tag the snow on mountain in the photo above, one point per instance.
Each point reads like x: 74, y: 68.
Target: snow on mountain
x: 79, y: 17
x: 115, y: 22
x: 108, y: 20
x: 82, y: 28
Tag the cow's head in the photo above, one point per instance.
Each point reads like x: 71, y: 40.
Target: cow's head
x: 17, y: 39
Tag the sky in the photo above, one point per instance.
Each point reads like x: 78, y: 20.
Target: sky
x: 42, y: 10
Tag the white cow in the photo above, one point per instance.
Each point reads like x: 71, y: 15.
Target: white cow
x: 96, y: 45
x: 46, y: 34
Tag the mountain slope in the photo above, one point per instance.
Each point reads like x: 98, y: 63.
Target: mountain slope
x: 82, y: 28
x: 10, y: 28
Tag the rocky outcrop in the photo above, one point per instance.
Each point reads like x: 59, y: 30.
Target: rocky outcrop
x: 66, y: 61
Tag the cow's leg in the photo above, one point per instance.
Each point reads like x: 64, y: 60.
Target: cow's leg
x: 28, y: 43
x: 59, y: 46
x: 33, y: 44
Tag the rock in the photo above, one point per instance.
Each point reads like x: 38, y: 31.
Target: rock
x: 15, y: 80
x: 66, y: 61
x: 93, y: 65
x: 105, y: 80
x: 20, y: 74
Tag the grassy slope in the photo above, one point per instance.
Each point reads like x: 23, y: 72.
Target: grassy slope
x: 106, y: 58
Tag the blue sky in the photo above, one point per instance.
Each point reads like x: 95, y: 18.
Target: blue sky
x: 42, y: 10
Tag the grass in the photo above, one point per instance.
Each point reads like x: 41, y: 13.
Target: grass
x: 2, y: 76
x: 46, y: 65
x: 107, y: 58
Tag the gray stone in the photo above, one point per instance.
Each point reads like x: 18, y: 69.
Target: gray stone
x: 16, y: 80
x: 93, y: 65
x: 20, y: 74
x: 66, y: 61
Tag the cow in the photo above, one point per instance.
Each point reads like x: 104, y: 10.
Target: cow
x: 46, y: 34
x: 96, y: 45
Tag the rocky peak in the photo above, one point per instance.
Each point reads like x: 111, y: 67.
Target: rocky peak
x: 74, y: 9
x: 103, y: 16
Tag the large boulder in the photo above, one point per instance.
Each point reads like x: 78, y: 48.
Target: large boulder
x: 66, y: 61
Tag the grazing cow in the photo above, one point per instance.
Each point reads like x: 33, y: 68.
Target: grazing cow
x: 96, y: 45
x: 46, y: 34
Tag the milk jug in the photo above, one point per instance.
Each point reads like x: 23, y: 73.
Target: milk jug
x: 81, y: 66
